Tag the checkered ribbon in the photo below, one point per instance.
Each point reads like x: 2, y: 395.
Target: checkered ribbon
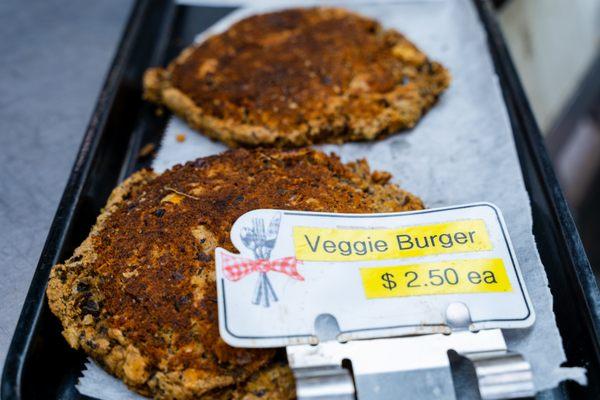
x: 235, y: 267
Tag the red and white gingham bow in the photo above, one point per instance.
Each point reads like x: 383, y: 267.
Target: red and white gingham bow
x: 236, y: 267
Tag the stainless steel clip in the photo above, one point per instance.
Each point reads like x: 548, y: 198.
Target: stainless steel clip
x: 502, y: 375
x: 384, y: 368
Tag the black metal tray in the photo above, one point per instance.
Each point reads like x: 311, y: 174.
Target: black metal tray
x: 40, y: 365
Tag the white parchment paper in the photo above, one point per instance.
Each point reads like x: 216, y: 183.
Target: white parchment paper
x: 461, y: 152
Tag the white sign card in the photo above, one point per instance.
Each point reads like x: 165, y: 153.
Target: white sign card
x: 378, y: 275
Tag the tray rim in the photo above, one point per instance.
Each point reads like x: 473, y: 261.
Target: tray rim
x: 515, y: 93
x: 519, y: 110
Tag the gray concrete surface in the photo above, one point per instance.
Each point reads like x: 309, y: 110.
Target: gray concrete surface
x: 54, y: 55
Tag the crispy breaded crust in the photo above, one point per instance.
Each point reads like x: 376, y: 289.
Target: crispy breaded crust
x: 298, y: 77
x: 139, y: 294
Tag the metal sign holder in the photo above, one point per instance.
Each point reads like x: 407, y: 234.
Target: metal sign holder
x: 381, y: 368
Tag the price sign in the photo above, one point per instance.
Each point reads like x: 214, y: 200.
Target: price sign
x: 485, y: 275
x: 378, y: 275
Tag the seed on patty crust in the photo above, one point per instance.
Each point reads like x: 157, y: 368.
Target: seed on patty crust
x: 139, y: 294
x: 297, y: 77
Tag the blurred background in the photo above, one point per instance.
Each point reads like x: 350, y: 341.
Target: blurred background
x: 55, y: 55
x: 555, y: 45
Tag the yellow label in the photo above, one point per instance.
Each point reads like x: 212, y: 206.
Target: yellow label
x: 448, y: 277
x: 330, y: 244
